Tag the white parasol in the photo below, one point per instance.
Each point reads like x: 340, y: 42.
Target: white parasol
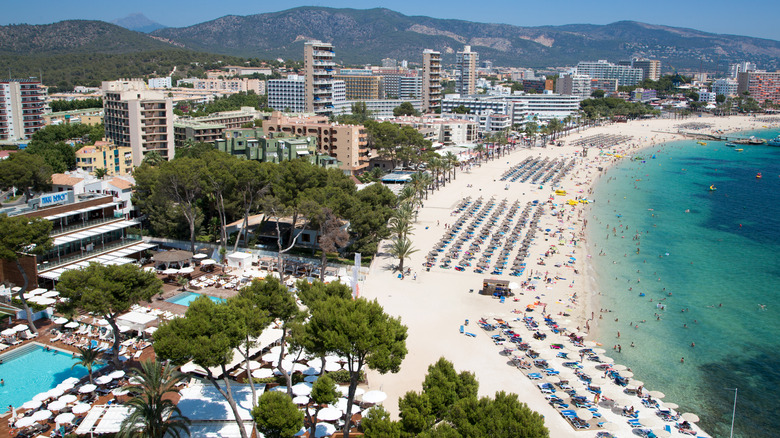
x: 56, y: 405
x: 24, y: 422
x: 324, y: 429
x: 301, y: 400
x: 693, y: 418
x: 103, y: 380
x: 8, y: 332
x: 72, y: 325
x: 374, y: 397
x: 329, y: 414
x: 302, y: 388
x: 68, y: 398
x: 41, y: 415
x: 656, y: 394
x: 65, y: 418
x: 32, y: 404
x: 208, y: 262
x: 262, y: 373
x: 86, y: 389
x: 118, y: 374
x: 59, y: 320
x: 119, y: 391
x: 81, y: 408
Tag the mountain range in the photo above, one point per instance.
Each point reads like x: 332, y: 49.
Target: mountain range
x: 369, y: 35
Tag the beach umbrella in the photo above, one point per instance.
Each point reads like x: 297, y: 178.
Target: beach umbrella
x: 81, y: 408
x: 656, y: 394
x: 8, y: 332
x: 41, y: 397
x: 671, y: 405
x: 60, y: 320
x: 311, y: 379
x: 661, y: 433
x: 279, y: 388
x: 332, y: 366
x: 86, y: 389
x: 329, y: 414
x: 46, y: 301
x: 55, y: 392
x: 67, y: 398
x: 627, y: 374
x: 636, y: 382
x: 72, y: 325
x: 70, y: 381
x: 651, y: 421
x: 51, y: 294
x: 584, y: 414
x: 65, y: 418
x: 24, y: 422
x: 101, y: 322
x: 311, y: 371
x: 301, y: 400
x: 135, y: 381
x: 610, y: 426
x: 253, y: 365
x: 41, y: 415
x: 186, y: 270
x: 119, y: 391
x: 619, y: 367
x: 199, y: 256
x: 208, y: 262
x: 374, y: 397
x: 262, y: 373
x: 32, y: 404
x: 103, y: 380
x: 302, y: 388
x: 693, y: 418
x: 20, y: 327
x: 324, y: 429
x: 118, y: 374
x: 56, y: 405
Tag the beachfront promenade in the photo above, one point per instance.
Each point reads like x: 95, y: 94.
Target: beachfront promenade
x: 435, y: 303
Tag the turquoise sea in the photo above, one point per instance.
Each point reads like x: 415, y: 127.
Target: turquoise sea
x: 712, y: 258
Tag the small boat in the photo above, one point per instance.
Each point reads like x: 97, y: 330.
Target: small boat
x: 739, y: 149
x: 730, y: 144
x: 758, y: 175
x: 774, y: 142
x: 703, y: 143
x: 712, y: 188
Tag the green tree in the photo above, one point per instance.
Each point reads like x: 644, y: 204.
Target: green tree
x: 180, y: 181
x: 26, y: 172
x: 377, y: 424
x: 461, y: 110
x: 719, y: 98
x: 277, y: 416
x: 20, y: 236
x: 87, y: 357
x: 401, y: 248
x: 108, y: 291
x: 219, y: 181
x: 332, y: 236
x: 503, y: 416
x: 444, y: 386
x: 252, y: 182
x: 369, y: 215
x: 598, y: 94
x: 152, y: 413
x: 323, y: 392
x: 362, y: 333
x: 273, y: 298
x: 206, y: 335
x: 254, y: 320
x: 405, y: 109
x: 101, y: 172
x: 416, y: 413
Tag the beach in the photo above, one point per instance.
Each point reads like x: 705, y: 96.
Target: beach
x: 434, y: 304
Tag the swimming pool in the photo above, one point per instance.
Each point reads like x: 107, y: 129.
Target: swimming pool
x: 185, y: 298
x: 31, y: 369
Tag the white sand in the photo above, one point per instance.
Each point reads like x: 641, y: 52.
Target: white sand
x: 435, y: 304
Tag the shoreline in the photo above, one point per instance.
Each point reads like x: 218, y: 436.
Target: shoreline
x: 435, y: 303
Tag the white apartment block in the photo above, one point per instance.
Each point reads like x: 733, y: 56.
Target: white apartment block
x: 520, y: 107
x: 21, y: 108
x: 287, y: 94
x: 137, y: 117
x: 742, y: 67
x: 707, y: 96
x: 384, y: 108
x: 466, y: 63
x: 726, y: 87
x: 601, y: 69
x: 159, y: 82
x: 237, y: 85
x: 487, y: 121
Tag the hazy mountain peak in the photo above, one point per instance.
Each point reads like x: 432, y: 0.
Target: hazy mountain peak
x: 139, y: 23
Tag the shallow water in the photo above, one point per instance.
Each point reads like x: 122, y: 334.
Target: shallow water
x: 712, y: 266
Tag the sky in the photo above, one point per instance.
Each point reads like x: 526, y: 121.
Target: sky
x: 757, y: 18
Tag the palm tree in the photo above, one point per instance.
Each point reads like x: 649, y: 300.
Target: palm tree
x: 402, y: 249
x: 454, y: 162
x: 479, y: 148
x: 400, y: 223
x: 151, y: 413
x: 88, y: 357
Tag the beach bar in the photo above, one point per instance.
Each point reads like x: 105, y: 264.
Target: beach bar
x: 492, y: 286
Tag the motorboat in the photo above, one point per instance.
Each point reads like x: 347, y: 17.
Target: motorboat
x: 774, y: 142
x: 730, y: 144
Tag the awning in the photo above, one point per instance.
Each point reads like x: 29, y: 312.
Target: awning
x: 62, y: 240
x: 83, y: 210
x: 103, y: 419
